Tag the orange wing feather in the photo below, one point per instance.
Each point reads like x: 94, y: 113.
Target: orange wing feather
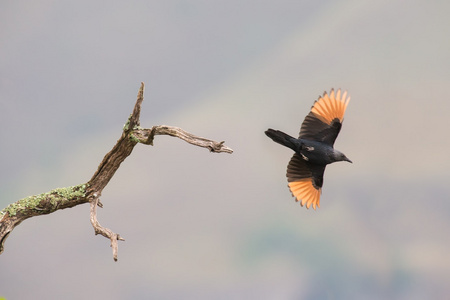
x: 330, y: 107
x: 304, y: 191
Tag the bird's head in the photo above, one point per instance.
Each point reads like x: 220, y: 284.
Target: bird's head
x: 339, y: 156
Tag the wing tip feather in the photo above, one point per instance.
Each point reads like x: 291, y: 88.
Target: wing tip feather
x: 305, y: 193
x: 331, y: 105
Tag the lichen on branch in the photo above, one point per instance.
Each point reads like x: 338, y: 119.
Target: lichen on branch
x: 46, y: 203
x: 90, y: 192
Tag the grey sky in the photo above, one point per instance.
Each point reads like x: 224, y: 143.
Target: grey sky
x: 208, y: 226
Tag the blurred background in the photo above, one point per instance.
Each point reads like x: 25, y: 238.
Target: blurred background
x: 200, y: 225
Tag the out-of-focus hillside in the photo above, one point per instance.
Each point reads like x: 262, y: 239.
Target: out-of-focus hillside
x: 216, y: 226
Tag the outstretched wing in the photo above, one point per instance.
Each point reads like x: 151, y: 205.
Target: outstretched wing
x: 305, y: 181
x: 324, y: 121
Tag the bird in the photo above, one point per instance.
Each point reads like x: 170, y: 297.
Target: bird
x: 314, y: 148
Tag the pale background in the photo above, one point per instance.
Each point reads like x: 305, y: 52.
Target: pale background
x: 216, y: 226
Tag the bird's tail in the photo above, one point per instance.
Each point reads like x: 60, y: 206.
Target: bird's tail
x: 280, y: 137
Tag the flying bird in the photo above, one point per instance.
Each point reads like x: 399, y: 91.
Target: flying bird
x: 314, y: 147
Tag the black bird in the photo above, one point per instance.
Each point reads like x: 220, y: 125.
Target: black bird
x: 314, y: 147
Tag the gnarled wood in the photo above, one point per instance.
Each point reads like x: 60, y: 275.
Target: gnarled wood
x: 57, y: 199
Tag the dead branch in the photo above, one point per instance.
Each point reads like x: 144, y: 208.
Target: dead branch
x: 146, y: 136
x: 99, y: 229
x: 62, y: 198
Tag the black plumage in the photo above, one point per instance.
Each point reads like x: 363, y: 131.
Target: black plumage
x: 314, y: 147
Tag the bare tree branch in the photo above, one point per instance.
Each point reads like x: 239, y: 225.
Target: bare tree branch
x: 99, y: 229
x: 61, y: 198
x: 146, y: 136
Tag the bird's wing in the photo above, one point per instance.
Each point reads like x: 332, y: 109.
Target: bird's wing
x: 305, y: 181
x: 324, y: 121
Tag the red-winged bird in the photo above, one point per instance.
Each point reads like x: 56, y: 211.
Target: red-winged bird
x: 314, y: 147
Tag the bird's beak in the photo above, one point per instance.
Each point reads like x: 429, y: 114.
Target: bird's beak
x: 346, y: 159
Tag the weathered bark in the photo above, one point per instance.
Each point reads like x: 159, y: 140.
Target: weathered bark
x: 61, y: 198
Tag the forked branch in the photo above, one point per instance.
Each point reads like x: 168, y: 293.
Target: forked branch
x: 61, y: 198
